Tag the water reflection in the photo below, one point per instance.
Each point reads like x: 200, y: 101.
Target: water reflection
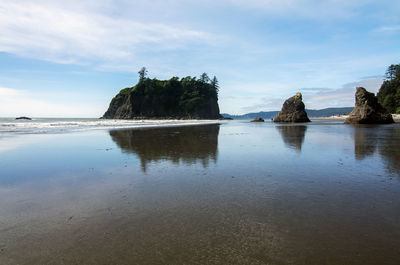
x: 293, y: 135
x: 189, y: 144
x: 365, y: 140
x: 74, y: 202
x: 378, y: 140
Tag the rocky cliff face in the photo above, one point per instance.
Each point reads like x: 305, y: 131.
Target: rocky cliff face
x: 367, y: 109
x: 156, y: 99
x: 293, y: 110
x: 119, y: 108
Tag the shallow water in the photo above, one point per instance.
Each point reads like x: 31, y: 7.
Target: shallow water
x: 235, y: 193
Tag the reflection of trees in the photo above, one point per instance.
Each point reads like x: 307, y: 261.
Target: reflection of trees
x: 381, y: 140
x: 188, y: 144
x: 293, y: 135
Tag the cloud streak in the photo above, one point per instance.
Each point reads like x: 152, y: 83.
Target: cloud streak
x: 388, y: 29
x: 341, y: 97
x: 56, y: 34
x: 308, y: 9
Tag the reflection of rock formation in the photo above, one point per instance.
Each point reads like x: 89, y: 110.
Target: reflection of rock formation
x: 389, y: 149
x: 293, y: 136
x: 383, y: 141
x: 188, y: 144
x: 365, y: 141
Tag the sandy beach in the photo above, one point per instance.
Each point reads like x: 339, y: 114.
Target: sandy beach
x: 235, y: 193
x: 396, y: 118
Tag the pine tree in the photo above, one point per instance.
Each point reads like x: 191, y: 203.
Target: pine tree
x: 142, y: 73
x: 204, y: 78
x: 214, y: 84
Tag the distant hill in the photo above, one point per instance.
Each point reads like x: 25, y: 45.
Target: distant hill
x: 262, y: 114
x: 310, y: 112
x: 328, y: 112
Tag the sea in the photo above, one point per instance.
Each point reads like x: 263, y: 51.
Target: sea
x: 90, y: 191
x: 57, y: 125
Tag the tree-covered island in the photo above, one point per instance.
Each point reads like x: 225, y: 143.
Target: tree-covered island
x: 180, y: 98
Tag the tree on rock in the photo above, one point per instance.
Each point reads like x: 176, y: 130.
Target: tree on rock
x: 142, y: 73
x: 204, y: 78
x: 214, y: 84
x: 392, y: 72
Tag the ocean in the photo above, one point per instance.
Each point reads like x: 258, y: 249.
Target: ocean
x: 55, y: 125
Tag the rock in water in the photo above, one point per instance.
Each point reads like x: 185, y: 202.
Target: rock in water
x: 258, y: 119
x: 293, y: 110
x: 23, y: 118
x: 367, y: 109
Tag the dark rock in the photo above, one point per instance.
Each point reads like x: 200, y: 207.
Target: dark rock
x: 187, y: 98
x: 23, y: 118
x: 293, y: 110
x: 367, y: 109
x: 258, y: 119
x: 120, y: 108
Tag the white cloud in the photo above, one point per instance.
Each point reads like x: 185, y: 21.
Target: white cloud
x: 16, y: 102
x: 7, y: 92
x: 67, y: 34
x: 387, y: 29
x: 314, y: 98
x: 114, y: 33
x: 341, y: 97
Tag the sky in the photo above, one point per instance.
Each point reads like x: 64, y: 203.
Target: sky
x: 69, y: 58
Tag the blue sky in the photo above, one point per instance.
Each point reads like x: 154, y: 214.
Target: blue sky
x: 68, y: 58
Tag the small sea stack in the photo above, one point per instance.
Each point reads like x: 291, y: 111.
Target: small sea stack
x: 293, y: 110
x: 258, y: 119
x: 23, y: 118
x: 367, y: 110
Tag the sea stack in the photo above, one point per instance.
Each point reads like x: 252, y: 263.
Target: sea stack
x: 367, y: 109
x: 293, y: 110
x: 23, y: 118
x: 186, y: 98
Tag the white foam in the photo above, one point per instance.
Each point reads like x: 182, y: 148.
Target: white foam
x: 60, y: 125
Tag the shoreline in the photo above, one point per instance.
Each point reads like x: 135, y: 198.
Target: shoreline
x: 396, y: 118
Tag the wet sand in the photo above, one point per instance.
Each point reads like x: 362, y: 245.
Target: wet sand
x: 236, y: 193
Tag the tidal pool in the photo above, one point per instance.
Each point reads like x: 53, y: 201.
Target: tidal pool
x: 235, y: 193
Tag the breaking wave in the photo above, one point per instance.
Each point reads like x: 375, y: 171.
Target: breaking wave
x: 47, y: 125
